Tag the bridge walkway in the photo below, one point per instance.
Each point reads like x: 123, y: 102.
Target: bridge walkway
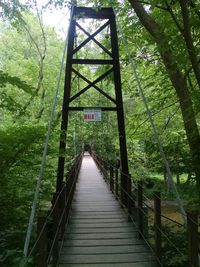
x: 99, y: 233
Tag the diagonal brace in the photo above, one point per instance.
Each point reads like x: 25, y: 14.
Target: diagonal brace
x: 96, y: 87
x: 92, y: 84
x: 91, y: 37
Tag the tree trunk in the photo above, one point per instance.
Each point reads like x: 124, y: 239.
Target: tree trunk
x: 179, y: 83
x: 188, y: 39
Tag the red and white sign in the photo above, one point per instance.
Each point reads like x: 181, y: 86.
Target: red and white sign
x: 92, y: 114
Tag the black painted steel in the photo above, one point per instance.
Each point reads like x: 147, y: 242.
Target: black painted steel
x: 72, y: 59
x: 91, y: 37
x: 93, y: 61
x: 99, y: 44
x: 66, y: 97
x: 92, y: 84
x: 102, y: 108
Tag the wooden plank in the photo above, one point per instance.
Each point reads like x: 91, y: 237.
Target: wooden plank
x: 98, y: 213
x: 94, y: 214
x: 98, y: 220
x: 97, y: 216
x: 106, y: 242
x: 115, y: 230
x: 100, y: 225
x: 96, y: 206
x: 93, y: 209
x: 101, y: 235
x: 107, y: 258
x: 97, y: 200
x: 98, y: 233
x: 104, y: 250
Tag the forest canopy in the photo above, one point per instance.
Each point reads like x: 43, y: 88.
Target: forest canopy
x: 163, y: 40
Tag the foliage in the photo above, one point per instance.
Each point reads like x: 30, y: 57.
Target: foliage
x: 24, y: 112
x: 29, y: 61
x: 11, y: 10
x: 17, y: 145
x: 14, y: 81
x: 154, y: 182
x: 175, y: 251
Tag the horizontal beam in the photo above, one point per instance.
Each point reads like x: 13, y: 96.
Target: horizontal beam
x: 87, y: 12
x: 82, y: 108
x: 93, y: 61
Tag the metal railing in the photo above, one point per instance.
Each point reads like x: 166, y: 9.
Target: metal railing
x: 51, y: 226
x: 138, y: 210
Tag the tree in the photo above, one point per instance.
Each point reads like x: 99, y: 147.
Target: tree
x: 177, y: 77
x: 23, y: 130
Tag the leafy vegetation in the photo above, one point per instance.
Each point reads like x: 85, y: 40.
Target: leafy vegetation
x: 166, y: 57
x: 174, y: 252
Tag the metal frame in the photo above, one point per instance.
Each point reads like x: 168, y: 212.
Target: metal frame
x: 108, y: 14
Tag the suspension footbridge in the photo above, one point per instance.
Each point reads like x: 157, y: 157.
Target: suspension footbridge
x: 98, y: 216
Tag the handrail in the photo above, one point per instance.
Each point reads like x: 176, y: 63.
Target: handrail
x: 110, y: 174
x: 55, y: 219
x: 72, y: 175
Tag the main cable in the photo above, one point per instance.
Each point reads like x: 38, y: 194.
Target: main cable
x: 43, y: 158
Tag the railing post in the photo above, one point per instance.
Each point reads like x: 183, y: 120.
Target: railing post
x: 67, y: 197
x: 111, y: 178
x: 93, y: 155
x: 56, y: 215
x: 106, y: 170
x: 157, y: 225
x: 129, y: 196
x: 63, y: 210
x: 124, y: 197
x: 41, y: 250
x: 117, y: 182
x: 140, y: 208
x: 192, y: 232
x: 71, y: 178
x: 100, y: 164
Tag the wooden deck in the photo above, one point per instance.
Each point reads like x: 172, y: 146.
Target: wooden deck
x: 99, y: 233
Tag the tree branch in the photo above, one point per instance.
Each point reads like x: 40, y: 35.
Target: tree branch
x: 178, y: 81
x: 170, y: 118
x: 188, y: 39
x: 157, y: 6
x: 42, y: 55
x: 153, y: 114
x: 169, y: 9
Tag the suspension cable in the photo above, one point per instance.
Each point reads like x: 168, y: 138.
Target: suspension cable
x: 43, y: 158
x: 153, y: 126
